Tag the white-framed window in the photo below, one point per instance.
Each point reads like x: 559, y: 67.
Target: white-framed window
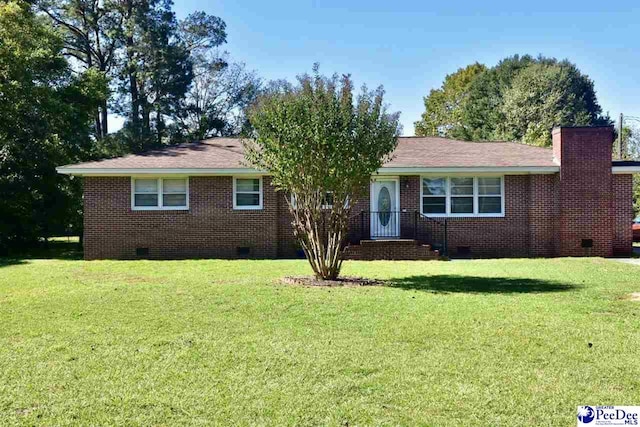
x: 490, y: 195
x: 462, y: 196
x: 247, y: 193
x: 434, y: 196
x: 327, y: 202
x: 170, y: 193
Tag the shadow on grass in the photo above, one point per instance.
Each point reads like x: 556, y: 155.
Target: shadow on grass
x: 6, y: 262
x: 479, y: 285
x: 54, y: 250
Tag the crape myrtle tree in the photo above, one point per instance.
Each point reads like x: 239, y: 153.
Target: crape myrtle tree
x: 314, y: 140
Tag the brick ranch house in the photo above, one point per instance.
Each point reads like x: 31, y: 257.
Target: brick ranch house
x: 489, y: 199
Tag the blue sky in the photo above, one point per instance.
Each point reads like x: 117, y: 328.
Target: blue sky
x: 410, y: 46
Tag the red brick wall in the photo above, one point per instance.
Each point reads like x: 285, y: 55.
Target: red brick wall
x: 210, y: 228
x: 496, y: 237
x: 623, y: 214
x: 585, y: 190
x: 390, y: 250
x: 288, y: 246
x: 543, y: 215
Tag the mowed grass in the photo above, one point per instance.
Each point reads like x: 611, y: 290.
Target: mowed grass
x: 495, y: 342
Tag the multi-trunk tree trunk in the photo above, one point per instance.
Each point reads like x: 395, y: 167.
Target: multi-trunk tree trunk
x: 321, y: 231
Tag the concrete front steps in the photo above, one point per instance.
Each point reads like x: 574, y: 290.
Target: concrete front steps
x: 397, y: 249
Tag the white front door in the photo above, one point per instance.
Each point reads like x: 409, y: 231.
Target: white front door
x: 385, y: 209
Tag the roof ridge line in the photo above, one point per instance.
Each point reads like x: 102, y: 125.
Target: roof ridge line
x: 482, y: 141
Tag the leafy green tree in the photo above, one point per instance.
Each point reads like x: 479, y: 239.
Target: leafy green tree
x: 153, y: 61
x: 542, y: 96
x: 521, y: 98
x: 201, y: 33
x: 220, y: 91
x: 45, y: 121
x: 630, y: 142
x: 444, y: 106
x: 314, y: 139
x: 482, y: 113
x: 158, y: 72
x: 92, y: 34
x: 216, y: 102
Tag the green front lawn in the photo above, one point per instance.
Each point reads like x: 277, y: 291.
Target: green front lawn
x: 496, y: 342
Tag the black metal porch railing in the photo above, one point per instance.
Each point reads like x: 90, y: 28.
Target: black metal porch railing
x: 367, y: 225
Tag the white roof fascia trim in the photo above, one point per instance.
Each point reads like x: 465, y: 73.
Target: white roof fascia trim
x: 478, y: 169
x: 382, y: 171
x: 154, y: 171
x: 70, y: 170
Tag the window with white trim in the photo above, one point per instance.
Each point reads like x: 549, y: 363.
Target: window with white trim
x: 327, y: 201
x: 159, y: 193
x: 489, y: 195
x: 462, y: 196
x: 247, y: 193
x: 434, y: 196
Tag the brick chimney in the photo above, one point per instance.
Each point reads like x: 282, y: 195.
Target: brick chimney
x: 585, y: 223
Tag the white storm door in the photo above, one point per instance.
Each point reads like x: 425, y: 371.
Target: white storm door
x: 385, y: 209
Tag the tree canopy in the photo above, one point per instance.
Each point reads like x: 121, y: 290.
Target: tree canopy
x: 521, y: 98
x: 45, y: 118
x: 156, y: 66
x: 444, y: 107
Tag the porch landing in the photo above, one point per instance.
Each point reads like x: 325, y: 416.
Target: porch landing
x: 390, y: 249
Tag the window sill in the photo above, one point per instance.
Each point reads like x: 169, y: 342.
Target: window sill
x: 247, y: 208
x: 155, y: 208
x: 496, y: 215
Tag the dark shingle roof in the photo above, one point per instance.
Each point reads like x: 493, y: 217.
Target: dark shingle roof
x: 441, y: 153
x: 217, y: 153
x: 412, y: 152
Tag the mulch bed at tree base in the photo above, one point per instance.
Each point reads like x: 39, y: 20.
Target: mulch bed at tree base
x: 340, y: 281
